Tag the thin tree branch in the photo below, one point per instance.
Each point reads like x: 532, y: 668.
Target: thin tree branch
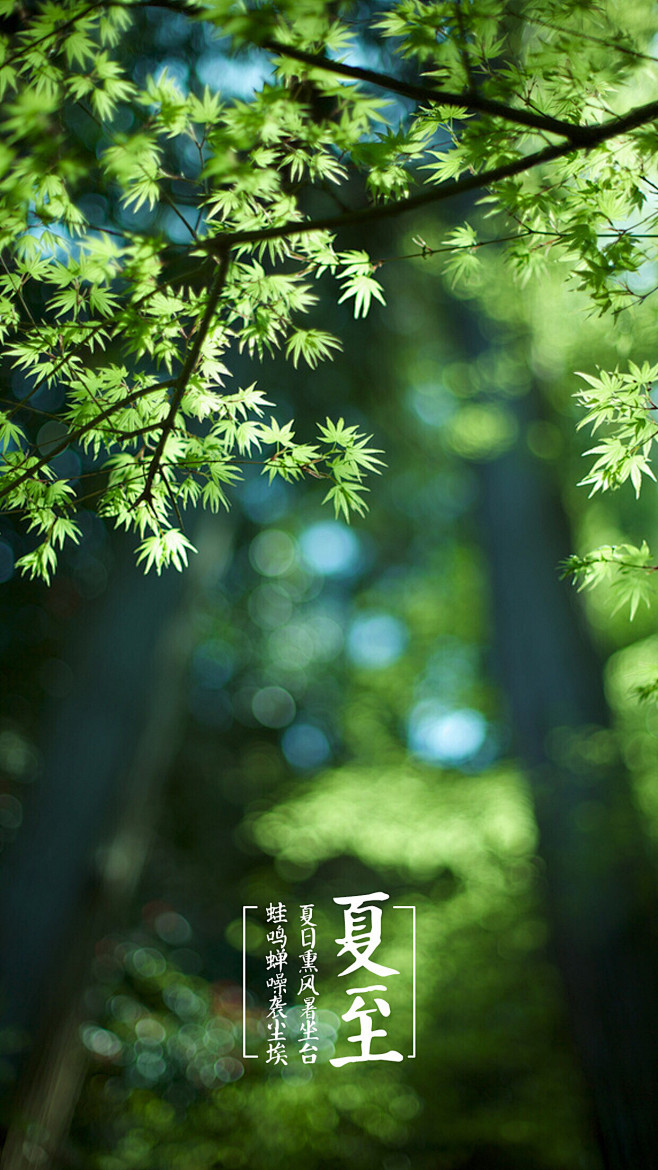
x: 524, y: 17
x: 419, y: 93
x: 97, y: 327
x: 10, y: 483
x: 28, y: 46
x: 180, y: 384
x: 463, y: 48
x: 425, y: 93
x: 589, y: 137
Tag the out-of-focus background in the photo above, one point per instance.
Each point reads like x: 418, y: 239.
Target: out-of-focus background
x: 415, y: 703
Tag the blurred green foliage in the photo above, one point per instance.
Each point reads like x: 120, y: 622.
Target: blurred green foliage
x: 346, y: 735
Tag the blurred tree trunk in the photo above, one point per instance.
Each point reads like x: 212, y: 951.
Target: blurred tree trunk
x: 600, y: 885
x: 79, y: 857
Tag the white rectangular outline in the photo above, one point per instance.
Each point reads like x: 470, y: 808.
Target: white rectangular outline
x: 412, y: 1054
x: 245, y: 1055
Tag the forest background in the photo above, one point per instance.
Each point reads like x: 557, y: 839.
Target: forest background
x: 414, y: 701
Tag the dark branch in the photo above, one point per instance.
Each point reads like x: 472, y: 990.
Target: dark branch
x: 616, y: 47
x: 426, y: 93
x: 463, y: 48
x: 418, y: 93
x: 10, y: 483
x: 389, y: 210
x: 183, y: 378
x: 589, y: 137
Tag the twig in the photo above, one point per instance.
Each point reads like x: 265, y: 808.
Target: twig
x: 180, y: 384
x: 10, y: 484
x: 589, y: 137
x: 427, y: 93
